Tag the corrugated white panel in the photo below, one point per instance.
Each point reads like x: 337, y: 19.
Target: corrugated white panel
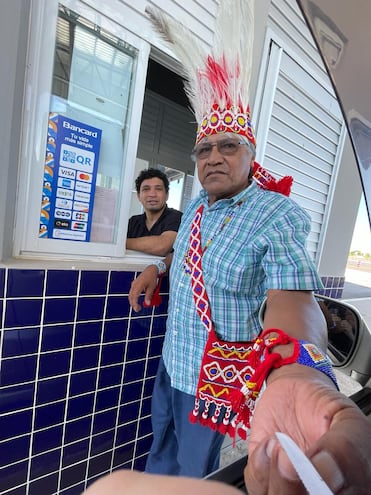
x: 305, y: 124
x: 167, y: 134
x: 304, y: 133
x: 285, y: 17
x: 198, y: 16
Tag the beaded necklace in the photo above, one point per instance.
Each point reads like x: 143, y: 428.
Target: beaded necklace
x: 225, y: 222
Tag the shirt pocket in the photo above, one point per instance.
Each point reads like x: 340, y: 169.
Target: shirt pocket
x: 234, y: 266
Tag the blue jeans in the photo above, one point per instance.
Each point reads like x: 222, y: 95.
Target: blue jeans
x: 179, y: 447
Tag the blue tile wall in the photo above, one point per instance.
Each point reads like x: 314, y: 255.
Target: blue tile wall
x: 333, y: 287
x: 77, y: 372
x: 76, y: 379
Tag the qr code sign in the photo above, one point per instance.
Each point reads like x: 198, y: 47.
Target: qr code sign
x: 69, y: 156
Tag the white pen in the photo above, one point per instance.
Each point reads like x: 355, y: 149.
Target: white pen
x: 308, y: 474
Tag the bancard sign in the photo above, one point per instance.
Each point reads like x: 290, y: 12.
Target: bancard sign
x: 70, y: 172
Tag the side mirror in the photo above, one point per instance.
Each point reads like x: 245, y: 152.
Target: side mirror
x: 343, y: 329
x: 349, y: 338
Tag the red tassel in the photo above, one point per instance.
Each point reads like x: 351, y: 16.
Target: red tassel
x: 284, y: 185
x: 266, y: 180
x: 222, y: 428
x: 242, y: 433
x: 156, y: 299
x: 192, y: 418
x: 237, y: 400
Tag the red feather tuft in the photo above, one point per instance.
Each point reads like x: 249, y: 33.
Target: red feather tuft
x: 217, y: 75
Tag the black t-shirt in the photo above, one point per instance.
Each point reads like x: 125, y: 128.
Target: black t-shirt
x: 169, y: 220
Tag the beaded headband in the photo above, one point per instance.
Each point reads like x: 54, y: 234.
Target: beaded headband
x: 216, y: 83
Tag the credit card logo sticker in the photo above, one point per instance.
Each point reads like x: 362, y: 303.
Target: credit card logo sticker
x: 79, y: 226
x: 69, y: 235
x: 80, y: 196
x: 66, y: 183
x: 83, y: 186
x: 62, y: 224
x: 67, y: 172
x: 80, y: 215
x: 83, y: 176
x: 63, y: 203
x: 63, y: 213
x: 81, y: 206
x: 64, y: 193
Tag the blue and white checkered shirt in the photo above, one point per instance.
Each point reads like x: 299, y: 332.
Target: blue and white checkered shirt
x: 262, y: 247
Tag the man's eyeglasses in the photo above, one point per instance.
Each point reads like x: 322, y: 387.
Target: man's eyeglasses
x: 226, y: 147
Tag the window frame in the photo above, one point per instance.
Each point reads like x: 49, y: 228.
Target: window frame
x: 38, y: 84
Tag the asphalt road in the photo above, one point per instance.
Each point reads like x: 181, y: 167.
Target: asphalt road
x: 357, y: 283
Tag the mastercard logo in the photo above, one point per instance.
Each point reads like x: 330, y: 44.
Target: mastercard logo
x: 83, y: 176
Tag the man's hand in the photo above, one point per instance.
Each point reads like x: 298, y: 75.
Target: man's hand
x: 145, y: 283
x: 328, y: 427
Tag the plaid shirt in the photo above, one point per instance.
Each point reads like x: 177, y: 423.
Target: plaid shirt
x: 262, y: 247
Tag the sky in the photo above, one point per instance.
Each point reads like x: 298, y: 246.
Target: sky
x: 362, y: 235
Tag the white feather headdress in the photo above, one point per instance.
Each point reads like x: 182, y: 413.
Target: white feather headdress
x: 216, y: 83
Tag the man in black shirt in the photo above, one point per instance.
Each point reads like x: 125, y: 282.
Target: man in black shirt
x: 153, y: 231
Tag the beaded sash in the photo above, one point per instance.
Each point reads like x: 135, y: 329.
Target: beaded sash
x: 226, y: 366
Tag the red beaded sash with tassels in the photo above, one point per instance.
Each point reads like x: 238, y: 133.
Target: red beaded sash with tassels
x: 232, y: 373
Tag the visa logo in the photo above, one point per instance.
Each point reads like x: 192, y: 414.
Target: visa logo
x: 67, y: 172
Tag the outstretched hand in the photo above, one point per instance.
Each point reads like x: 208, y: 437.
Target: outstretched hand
x: 327, y: 426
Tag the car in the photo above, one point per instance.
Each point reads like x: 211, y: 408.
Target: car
x: 349, y: 335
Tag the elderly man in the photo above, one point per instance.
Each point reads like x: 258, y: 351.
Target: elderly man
x: 252, y: 246
x: 153, y: 231
x: 241, y: 243
x: 261, y: 245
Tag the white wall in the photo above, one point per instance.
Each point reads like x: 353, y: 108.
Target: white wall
x: 13, y: 45
x: 342, y: 217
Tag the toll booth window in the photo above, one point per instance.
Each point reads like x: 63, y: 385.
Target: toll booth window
x: 91, y: 90
x: 84, y: 94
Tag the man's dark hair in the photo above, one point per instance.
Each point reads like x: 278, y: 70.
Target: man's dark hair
x: 150, y: 173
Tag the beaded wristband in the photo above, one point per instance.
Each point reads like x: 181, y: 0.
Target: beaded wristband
x: 310, y: 355
x: 262, y: 359
x: 305, y: 353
